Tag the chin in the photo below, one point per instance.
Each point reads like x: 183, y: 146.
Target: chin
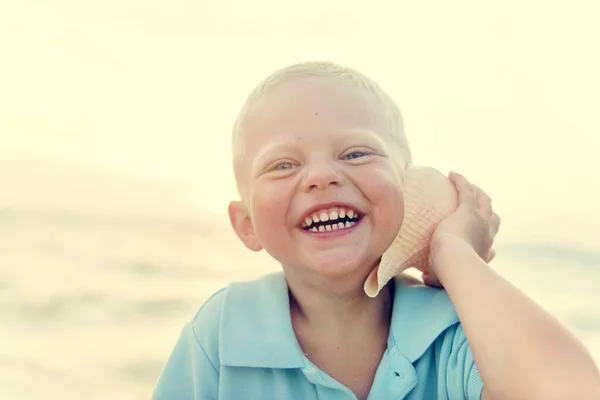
x: 336, y: 268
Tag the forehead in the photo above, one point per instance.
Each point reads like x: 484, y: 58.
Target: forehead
x: 305, y: 106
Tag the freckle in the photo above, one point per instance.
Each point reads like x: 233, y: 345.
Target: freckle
x: 316, y: 113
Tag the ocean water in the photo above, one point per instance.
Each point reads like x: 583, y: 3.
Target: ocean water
x: 90, y: 306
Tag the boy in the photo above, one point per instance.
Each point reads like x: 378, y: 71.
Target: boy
x: 319, y: 145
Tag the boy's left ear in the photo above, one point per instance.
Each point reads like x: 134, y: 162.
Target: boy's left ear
x: 242, y: 225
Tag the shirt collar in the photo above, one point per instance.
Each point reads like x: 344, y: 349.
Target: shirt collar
x: 419, y: 315
x: 256, y: 327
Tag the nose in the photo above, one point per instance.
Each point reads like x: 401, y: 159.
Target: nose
x: 321, y: 176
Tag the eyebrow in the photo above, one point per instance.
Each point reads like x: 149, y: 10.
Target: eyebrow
x: 353, y: 134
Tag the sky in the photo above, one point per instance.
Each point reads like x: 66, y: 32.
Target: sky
x: 506, y: 93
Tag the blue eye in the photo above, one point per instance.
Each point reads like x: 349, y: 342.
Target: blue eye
x: 356, y: 154
x: 283, y: 166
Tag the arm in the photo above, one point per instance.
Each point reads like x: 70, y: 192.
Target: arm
x: 521, y: 351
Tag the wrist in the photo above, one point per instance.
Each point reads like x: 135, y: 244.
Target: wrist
x: 445, y: 250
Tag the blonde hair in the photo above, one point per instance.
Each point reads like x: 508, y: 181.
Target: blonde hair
x: 325, y: 69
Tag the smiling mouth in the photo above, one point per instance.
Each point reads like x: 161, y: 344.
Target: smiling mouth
x: 331, y: 220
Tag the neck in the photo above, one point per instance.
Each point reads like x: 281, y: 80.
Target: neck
x: 342, y: 309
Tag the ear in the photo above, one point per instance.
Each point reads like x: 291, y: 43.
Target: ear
x: 242, y: 225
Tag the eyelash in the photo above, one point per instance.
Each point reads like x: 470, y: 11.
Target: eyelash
x: 362, y: 154
x: 280, y: 165
x: 277, y: 167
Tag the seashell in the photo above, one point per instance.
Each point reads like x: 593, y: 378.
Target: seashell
x: 429, y: 196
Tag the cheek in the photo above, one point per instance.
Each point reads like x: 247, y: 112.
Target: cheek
x: 269, y: 206
x: 393, y: 207
x: 386, y: 193
x: 385, y: 186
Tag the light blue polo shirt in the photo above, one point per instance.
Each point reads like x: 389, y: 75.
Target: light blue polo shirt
x: 241, y: 346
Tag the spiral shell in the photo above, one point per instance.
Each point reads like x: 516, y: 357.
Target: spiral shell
x: 429, y: 196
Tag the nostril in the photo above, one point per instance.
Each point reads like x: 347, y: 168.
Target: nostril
x: 332, y: 183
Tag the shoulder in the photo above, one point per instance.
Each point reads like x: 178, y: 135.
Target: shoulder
x: 235, y: 298
x: 233, y: 308
x: 205, y: 323
x: 194, y: 367
x: 416, y: 303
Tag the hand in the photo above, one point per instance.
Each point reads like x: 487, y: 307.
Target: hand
x: 473, y: 222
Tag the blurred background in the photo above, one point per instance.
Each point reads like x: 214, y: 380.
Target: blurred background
x: 115, y: 175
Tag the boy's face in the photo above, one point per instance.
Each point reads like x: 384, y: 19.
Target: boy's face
x: 315, y: 147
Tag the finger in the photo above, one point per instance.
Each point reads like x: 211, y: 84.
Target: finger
x: 466, y: 192
x: 484, y: 203
x: 494, y: 225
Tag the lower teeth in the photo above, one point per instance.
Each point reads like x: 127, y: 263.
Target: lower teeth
x: 333, y: 227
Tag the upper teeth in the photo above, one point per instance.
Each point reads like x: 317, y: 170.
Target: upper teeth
x: 333, y: 214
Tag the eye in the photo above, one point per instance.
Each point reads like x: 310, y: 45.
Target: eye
x: 282, y: 166
x: 355, y: 154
